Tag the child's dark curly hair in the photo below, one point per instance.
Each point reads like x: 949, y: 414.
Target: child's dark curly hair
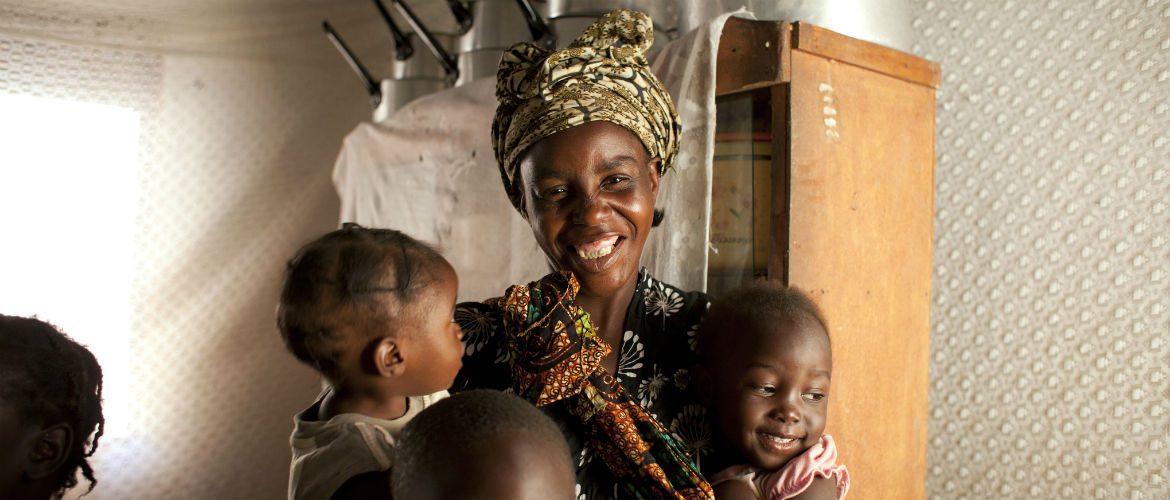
x: 759, y: 303
x: 342, y: 282
x: 48, y: 377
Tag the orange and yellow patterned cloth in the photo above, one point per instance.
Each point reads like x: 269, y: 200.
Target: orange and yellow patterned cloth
x: 556, y: 360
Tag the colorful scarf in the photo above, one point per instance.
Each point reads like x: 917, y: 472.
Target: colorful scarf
x: 602, y: 76
x: 556, y: 357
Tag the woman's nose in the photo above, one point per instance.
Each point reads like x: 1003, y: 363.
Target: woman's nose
x: 590, y: 210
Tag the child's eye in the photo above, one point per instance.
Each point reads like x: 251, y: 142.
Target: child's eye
x: 813, y: 397
x: 764, y: 390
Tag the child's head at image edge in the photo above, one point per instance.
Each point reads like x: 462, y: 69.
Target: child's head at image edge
x: 50, y: 410
x: 372, y: 308
x: 483, y: 444
x: 767, y: 362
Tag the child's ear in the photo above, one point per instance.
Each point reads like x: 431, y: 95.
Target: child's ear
x: 388, y: 359
x: 704, y: 385
x: 49, y: 452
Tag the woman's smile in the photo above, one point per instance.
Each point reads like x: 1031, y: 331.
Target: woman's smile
x: 597, y: 255
x: 589, y: 198
x: 597, y: 249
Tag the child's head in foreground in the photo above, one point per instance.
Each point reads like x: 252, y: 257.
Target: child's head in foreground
x: 50, y: 406
x: 486, y: 445
x: 768, y: 362
x: 372, y: 309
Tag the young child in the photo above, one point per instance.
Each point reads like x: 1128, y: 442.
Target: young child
x: 371, y: 310
x: 50, y: 410
x: 765, y: 371
x: 486, y: 445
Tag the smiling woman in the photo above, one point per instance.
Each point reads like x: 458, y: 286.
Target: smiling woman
x: 583, y: 137
x: 589, y: 193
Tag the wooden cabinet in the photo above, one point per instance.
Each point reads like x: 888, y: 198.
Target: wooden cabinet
x: 824, y: 179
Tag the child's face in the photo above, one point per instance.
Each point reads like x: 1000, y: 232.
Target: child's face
x: 436, y: 345
x: 771, y: 391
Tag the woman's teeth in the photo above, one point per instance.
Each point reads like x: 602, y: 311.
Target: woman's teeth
x: 597, y: 249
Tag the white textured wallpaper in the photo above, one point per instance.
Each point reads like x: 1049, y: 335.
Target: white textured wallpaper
x: 233, y: 174
x: 1050, y: 369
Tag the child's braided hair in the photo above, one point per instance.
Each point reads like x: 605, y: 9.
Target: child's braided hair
x: 48, y: 377
x: 339, y: 279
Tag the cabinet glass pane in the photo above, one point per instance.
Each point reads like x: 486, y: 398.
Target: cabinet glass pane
x: 740, y: 191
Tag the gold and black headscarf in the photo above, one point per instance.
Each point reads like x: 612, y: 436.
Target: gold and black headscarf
x: 602, y: 76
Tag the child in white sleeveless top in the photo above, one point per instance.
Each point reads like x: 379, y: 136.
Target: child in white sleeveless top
x: 372, y: 311
x: 765, y: 373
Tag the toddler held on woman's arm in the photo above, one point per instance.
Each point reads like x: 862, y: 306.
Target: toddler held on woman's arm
x: 372, y: 311
x: 765, y: 372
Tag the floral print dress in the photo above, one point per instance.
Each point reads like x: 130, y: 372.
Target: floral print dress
x: 655, y: 362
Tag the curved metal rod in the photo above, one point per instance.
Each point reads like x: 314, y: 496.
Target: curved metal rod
x: 541, y: 33
x: 371, y: 85
x: 402, y: 47
x: 445, y: 59
x: 462, y: 15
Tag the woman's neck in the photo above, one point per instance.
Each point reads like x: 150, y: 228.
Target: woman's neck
x: 608, y: 313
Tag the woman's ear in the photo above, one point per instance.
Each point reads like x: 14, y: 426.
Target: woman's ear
x: 655, y: 167
x: 522, y: 206
x: 49, y: 452
x: 388, y: 358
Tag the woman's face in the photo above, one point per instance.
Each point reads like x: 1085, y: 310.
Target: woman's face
x: 589, y: 196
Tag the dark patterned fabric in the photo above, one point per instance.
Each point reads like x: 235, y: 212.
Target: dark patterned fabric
x: 602, y: 76
x: 654, y: 371
x: 556, y: 359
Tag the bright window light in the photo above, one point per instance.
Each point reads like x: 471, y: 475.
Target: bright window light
x: 68, y: 193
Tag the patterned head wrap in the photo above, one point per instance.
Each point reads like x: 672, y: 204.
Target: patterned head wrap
x: 602, y: 76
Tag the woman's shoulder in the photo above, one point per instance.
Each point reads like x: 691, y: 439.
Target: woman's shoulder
x: 648, y: 281
x: 485, y: 353
x: 481, y: 322
x: 672, y: 303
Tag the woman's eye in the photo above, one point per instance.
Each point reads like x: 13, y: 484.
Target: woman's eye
x: 616, y: 181
x: 553, y: 192
x: 813, y: 397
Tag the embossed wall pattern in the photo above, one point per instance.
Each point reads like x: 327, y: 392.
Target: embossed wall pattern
x: 1050, y: 369
x: 234, y: 174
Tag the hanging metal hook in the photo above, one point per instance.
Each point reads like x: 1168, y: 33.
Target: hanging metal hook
x: 541, y: 33
x: 445, y: 59
x: 462, y: 15
x: 371, y: 85
x: 402, y: 47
